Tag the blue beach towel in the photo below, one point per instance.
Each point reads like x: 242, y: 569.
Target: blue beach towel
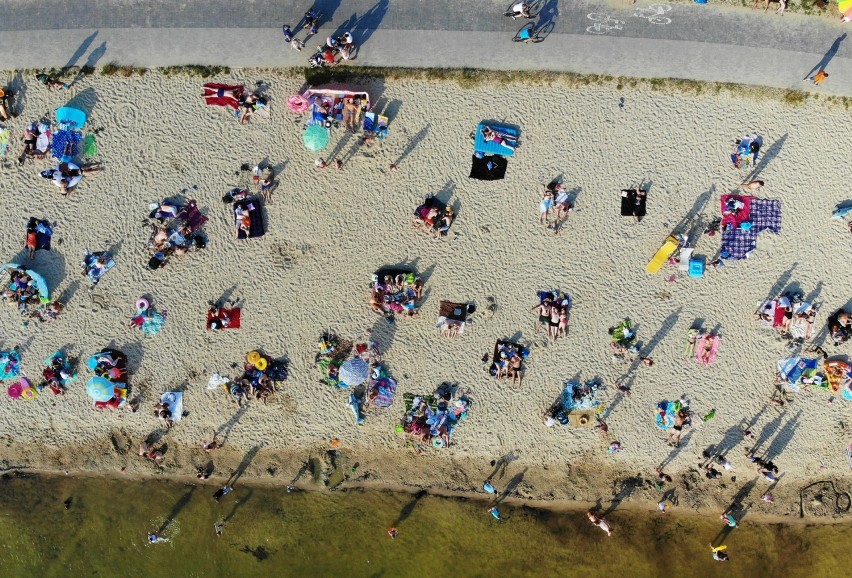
x: 509, y: 135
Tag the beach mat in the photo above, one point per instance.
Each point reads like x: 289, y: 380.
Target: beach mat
x: 232, y: 315
x: 628, y: 203
x: 256, y: 228
x: 488, y: 168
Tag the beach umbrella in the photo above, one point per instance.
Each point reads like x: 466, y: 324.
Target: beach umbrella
x: 354, y: 372
x: 14, y: 390
x: 100, y: 389
x: 315, y: 137
x: 38, y: 279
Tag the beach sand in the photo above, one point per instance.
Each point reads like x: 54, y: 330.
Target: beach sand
x: 329, y: 230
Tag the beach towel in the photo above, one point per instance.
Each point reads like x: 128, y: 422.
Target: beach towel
x: 4, y: 140
x: 488, y: 168
x: 741, y: 216
x: 795, y: 369
x: 629, y: 206
x: 452, y: 314
x: 231, y: 316
x: 210, y: 92
x: 90, y: 146
x: 175, y: 401
x: 94, y: 274
x: 10, y: 364
x: 765, y: 215
x: 190, y: 215
x: 666, y: 419
x: 707, y: 341
x: 838, y: 373
x: 504, y: 144
x: 385, y: 390
x: 43, y: 233
x: 767, y: 308
x: 801, y: 326
x: 64, y: 144
x: 255, y: 214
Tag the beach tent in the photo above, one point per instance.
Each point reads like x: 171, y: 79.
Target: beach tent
x: 41, y: 283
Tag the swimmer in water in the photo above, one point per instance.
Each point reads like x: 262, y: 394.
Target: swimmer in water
x: 155, y: 538
x: 719, y: 553
x: 393, y: 532
x: 219, y: 526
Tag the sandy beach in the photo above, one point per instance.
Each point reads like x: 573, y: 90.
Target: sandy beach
x: 329, y: 230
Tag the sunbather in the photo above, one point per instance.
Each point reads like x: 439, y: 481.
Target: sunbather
x: 442, y: 227
x: 706, y: 354
x: 490, y: 134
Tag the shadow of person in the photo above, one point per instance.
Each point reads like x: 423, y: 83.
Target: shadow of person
x: 828, y: 56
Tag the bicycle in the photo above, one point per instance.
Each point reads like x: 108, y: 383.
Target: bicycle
x: 603, y: 23
x: 654, y: 13
x: 534, y: 7
x: 529, y: 33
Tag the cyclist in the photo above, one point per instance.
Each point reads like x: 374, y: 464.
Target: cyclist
x: 520, y: 10
x: 525, y: 34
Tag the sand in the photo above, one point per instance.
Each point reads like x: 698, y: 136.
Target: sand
x: 329, y: 230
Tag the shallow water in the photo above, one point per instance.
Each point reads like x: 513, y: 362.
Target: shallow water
x: 269, y: 532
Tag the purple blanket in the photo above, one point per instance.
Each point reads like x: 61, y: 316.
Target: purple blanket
x: 765, y: 215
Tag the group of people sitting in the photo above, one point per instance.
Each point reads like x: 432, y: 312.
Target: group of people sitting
x: 789, y: 314
x: 555, y: 203
x: 509, y: 361
x: 176, y: 230
x: 68, y: 175
x: 58, y: 372
x: 327, y: 54
x: 36, y: 137
x: 432, y: 419
x: 260, y: 373
x: 391, y: 294
x: 22, y: 290
x: 553, y: 313
x: 434, y: 217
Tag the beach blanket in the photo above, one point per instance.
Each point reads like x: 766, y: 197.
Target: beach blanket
x: 797, y: 369
x: 5, y: 133
x: 175, y: 401
x: 504, y: 144
x: 252, y: 209
x: 709, y: 345
x: 94, y: 274
x: 43, y: 233
x: 488, y: 168
x: 735, y: 219
x: 385, y: 390
x: 10, y: 364
x: 665, y: 417
x: 586, y: 401
x: 152, y: 322
x: 763, y: 214
x: 190, y: 215
x: 629, y: 205
x: 804, y: 316
x: 838, y: 373
x: 64, y: 144
x: 211, y: 91
x: 452, y: 314
x: 230, y: 316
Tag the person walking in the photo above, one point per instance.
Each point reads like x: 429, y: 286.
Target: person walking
x: 817, y: 78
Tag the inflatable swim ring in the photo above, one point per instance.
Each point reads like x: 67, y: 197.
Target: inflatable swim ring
x: 142, y: 304
x: 252, y: 357
x: 28, y: 393
x: 437, y: 443
x: 261, y: 364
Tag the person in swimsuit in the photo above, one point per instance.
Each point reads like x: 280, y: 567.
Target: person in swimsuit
x: 516, y: 363
x: 599, y: 522
x: 544, y: 205
x: 543, y: 315
x: 554, y: 322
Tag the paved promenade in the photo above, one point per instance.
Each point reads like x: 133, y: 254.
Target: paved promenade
x: 701, y: 42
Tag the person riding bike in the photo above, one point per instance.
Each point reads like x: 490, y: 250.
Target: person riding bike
x: 525, y: 34
x: 520, y: 10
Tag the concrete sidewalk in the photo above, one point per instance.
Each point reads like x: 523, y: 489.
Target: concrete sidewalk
x: 698, y: 42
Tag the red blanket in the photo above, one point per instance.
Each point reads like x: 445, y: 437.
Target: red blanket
x: 211, y: 94
x: 742, y: 216
x: 230, y: 316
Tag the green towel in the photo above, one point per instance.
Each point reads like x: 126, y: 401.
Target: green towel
x: 90, y: 146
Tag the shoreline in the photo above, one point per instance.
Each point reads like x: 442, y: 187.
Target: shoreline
x: 139, y: 470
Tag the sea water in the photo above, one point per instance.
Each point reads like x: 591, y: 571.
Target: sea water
x: 269, y: 532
